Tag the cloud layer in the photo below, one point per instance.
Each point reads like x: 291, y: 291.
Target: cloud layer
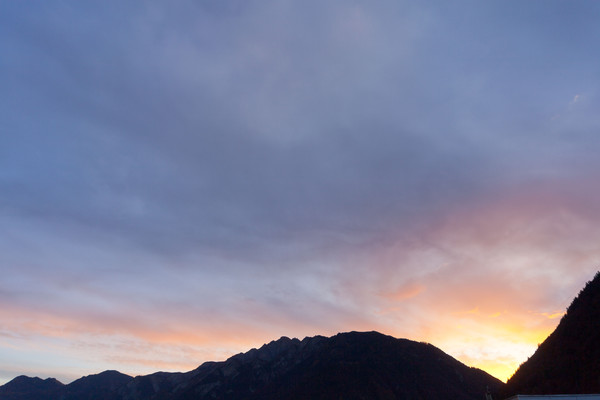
x: 181, y: 183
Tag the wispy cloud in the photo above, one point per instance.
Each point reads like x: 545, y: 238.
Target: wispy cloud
x: 214, y: 175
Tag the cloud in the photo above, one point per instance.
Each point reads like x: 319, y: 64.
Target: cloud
x: 218, y: 174
x: 178, y: 143
x: 406, y: 291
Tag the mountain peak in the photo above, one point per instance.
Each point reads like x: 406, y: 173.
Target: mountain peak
x: 106, y: 381
x: 26, y: 380
x: 366, y: 365
x: 25, y: 387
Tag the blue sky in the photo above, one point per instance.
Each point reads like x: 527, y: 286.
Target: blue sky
x: 180, y: 183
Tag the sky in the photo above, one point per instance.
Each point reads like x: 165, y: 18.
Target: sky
x: 183, y: 181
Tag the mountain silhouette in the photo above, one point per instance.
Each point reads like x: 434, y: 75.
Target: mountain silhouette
x: 354, y: 365
x: 26, y: 388
x: 101, y: 386
x: 568, y: 361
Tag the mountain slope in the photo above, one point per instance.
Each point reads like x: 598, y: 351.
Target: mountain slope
x: 568, y: 361
x: 351, y: 365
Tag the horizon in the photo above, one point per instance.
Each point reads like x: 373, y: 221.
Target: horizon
x: 182, y: 183
x: 254, y: 348
x: 198, y: 365
x: 72, y: 379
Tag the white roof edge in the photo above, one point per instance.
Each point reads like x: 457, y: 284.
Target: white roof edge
x: 554, y: 396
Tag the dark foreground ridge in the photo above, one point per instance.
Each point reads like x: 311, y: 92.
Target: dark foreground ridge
x: 354, y: 365
x: 568, y: 361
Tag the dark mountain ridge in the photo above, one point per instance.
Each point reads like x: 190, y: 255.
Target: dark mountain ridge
x: 95, y: 387
x: 354, y: 365
x: 25, y: 388
x: 568, y: 361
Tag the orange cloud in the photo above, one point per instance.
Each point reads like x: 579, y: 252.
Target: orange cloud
x: 486, y: 284
x: 498, y: 275
x: 553, y: 315
x: 405, y: 292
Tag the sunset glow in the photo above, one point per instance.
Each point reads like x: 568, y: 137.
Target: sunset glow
x: 182, y: 183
